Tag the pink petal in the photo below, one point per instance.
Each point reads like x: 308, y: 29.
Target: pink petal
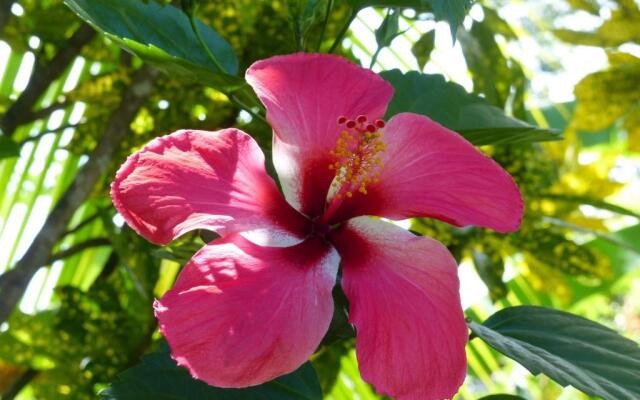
x: 404, y: 301
x: 240, y: 314
x: 431, y: 171
x: 202, y: 180
x: 305, y: 94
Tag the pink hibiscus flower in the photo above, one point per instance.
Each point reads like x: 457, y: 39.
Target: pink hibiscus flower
x: 255, y: 304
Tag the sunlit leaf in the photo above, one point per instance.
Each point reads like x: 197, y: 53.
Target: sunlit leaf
x: 605, y: 96
x: 450, y: 105
x: 590, y: 6
x: 162, y: 36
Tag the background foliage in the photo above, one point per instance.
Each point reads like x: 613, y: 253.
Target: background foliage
x: 74, y: 104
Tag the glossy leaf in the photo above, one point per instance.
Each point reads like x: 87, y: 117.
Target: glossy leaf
x: 569, y: 349
x: 450, y: 105
x: 162, y: 36
x: 159, y: 378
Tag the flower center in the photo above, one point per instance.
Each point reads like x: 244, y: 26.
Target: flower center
x: 356, y: 157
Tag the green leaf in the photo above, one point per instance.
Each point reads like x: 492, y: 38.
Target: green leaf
x: 452, y: 11
x: 490, y: 267
x: 569, y: 349
x: 304, y: 14
x: 388, y: 29
x: 8, y: 148
x: 499, y: 78
x: 423, y: 47
x: 159, y: 378
x: 450, y: 105
x: 594, y: 202
x: 590, y: 6
x: 162, y: 36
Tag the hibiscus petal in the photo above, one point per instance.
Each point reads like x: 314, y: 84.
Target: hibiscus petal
x: 304, y: 95
x: 241, y: 314
x: 404, y: 301
x: 203, y: 180
x: 431, y: 171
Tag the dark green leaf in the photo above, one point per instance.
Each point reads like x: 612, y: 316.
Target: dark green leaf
x: 490, y: 268
x: 162, y: 36
x: 159, y: 378
x: 450, y: 105
x: 452, y: 11
x: 388, y: 29
x: 569, y: 349
x: 423, y: 47
x: 8, y: 148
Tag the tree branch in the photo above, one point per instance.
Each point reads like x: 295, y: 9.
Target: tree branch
x: 19, y: 384
x: 14, y: 282
x: 41, y: 134
x: 79, y: 247
x: 83, y: 223
x: 43, y: 75
x: 43, y: 112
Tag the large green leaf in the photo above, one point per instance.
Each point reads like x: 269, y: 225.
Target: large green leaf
x: 450, y: 105
x: 452, y: 11
x: 569, y: 349
x: 159, y: 378
x: 162, y: 36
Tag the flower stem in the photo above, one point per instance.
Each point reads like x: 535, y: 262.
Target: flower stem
x: 324, y: 24
x: 234, y: 99
x: 343, y: 31
x: 375, y: 57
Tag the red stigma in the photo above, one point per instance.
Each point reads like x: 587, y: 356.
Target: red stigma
x: 361, y: 119
x: 351, y: 124
x: 380, y: 123
x: 371, y: 128
x: 342, y: 120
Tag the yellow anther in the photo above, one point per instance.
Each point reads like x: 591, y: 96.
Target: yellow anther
x: 356, y: 160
